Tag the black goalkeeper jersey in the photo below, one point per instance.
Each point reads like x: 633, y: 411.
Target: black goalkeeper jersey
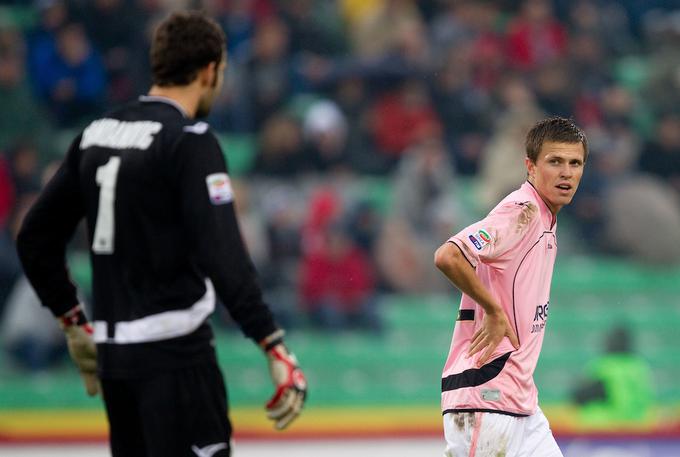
x: 153, y: 187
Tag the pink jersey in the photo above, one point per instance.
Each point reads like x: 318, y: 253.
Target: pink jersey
x: 513, y: 250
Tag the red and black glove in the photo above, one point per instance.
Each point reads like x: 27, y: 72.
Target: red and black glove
x: 289, y: 380
x: 81, y: 347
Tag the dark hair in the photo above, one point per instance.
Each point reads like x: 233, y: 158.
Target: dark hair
x: 554, y: 129
x: 182, y: 44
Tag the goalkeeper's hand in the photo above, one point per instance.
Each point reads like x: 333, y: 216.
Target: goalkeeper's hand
x: 81, y: 347
x: 289, y: 381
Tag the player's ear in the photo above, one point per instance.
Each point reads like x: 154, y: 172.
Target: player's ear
x: 207, y: 74
x: 531, y: 167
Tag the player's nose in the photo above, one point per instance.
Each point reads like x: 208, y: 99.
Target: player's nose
x: 566, y: 171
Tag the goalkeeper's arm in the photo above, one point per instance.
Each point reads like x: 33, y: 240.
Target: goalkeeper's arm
x: 289, y: 381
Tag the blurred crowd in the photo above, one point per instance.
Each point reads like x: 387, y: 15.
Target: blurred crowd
x: 374, y: 128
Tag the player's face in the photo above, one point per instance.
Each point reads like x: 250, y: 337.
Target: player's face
x: 214, y: 89
x: 557, y: 172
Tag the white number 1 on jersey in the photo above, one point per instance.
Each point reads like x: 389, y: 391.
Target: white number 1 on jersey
x: 106, y: 177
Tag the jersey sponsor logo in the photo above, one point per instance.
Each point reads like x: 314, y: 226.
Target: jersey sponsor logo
x: 219, y: 188
x: 542, y: 312
x: 480, y: 239
x: 540, y: 317
x: 477, y: 244
x: 115, y: 134
x: 209, y: 450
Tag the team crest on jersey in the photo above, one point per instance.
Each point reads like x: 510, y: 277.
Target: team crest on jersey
x: 480, y: 239
x: 219, y: 188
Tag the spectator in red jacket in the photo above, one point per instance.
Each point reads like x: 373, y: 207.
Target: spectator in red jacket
x: 401, y: 119
x: 536, y: 37
x: 338, y: 284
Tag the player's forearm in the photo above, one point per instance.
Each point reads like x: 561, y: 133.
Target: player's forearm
x: 42, y: 255
x: 45, y: 231
x: 453, y: 264
x: 237, y: 286
x: 250, y: 312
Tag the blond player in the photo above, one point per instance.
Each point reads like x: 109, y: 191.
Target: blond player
x: 503, y: 264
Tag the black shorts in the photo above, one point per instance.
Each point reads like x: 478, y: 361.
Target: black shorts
x: 180, y: 413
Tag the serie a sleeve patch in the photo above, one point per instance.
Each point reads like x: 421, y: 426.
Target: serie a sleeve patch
x: 480, y: 239
x: 219, y: 188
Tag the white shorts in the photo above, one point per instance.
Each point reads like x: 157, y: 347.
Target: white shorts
x: 491, y: 435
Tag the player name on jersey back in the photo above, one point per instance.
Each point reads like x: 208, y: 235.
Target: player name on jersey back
x: 115, y: 134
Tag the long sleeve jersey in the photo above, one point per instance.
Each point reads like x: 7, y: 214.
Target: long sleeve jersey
x: 153, y: 187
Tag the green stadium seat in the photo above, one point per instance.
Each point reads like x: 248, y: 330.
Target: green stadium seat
x: 239, y: 151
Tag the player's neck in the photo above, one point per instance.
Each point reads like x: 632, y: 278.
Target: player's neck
x: 184, y: 96
x: 553, y: 208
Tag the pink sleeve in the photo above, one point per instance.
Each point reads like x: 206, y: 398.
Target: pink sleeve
x: 488, y: 240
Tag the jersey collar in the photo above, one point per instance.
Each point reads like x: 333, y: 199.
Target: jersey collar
x: 549, y: 219
x: 166, y: 100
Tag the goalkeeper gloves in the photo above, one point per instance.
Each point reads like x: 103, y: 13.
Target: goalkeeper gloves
x: 289, y: 380
x: 81, y: 347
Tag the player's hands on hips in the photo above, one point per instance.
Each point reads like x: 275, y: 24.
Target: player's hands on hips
x: 81, y: 347
x: 291, y: 386
x: 494, y: 328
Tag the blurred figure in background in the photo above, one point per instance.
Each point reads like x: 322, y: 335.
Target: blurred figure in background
x: 6, y: 193
x: 280, y: 148
x: 10, y: 268
x: 536, y: 37
x: 325, y: 131
x: 661, y: 155
x: 375, y: 28
x: 116, y: 28
x: 283, y: 211
x: 29, y: 335
x: 19, y: 187
x: 71, y: 75
x: 501, y: 162
x: 637, y: 208
x: 22, y: 117
x: 268, y: 81
x: 618, y: 388
x: 352, y: 94
x: 424, y: 209
x: 338, y: 284
x: 401, y: 119
x: 615, y: 147
x: 463, y: 107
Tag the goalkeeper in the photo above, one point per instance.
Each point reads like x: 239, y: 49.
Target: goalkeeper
x: 153, y: 187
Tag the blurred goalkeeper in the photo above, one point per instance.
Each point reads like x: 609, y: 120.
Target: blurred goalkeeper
x: 153, y: 186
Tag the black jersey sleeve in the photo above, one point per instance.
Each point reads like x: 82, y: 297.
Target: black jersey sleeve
x: 45, y: 233
x: 210, y: 222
